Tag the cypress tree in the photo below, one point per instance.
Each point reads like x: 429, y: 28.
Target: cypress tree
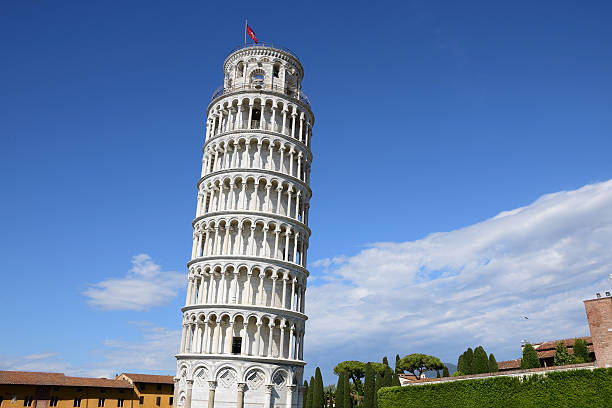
x: 492, y: 364
x: 461, y: 363
x: 445, y: 372
x: 348, y: 401
x: 480, y: 364
x: 468, y: 361
x: 581, y: 352
x: 368, y: 387
x: 378, y: 381
x: 437, y: 373
x: 311, y: 388
x: 530, y: 357
x: 395, y: 382
x: 339, y: 398
x: 385, y: 361
x: 306, y: 394
x: 318, y: 397
x: 397, y: 360
x: 387, y: 377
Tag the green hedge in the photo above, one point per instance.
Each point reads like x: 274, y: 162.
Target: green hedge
x: 575, y: 388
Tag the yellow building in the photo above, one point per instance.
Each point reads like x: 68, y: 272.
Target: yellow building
x: 151, y: 391
x: 56, y: 390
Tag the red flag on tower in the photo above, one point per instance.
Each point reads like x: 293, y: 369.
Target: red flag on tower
x: 251, y: 33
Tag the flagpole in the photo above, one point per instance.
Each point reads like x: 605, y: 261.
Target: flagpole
x: 245, y: 30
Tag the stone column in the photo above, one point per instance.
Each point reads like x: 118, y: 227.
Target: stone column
x: 175, y: 398
x: 293, y: 116
x: 291, y: 306
x: 240, y: 397
x: 270, y: 338
x: 284, y: 121
x: 262, y: 275
x: 250, y: 116
x: 273, y: 120
x: 268, y: 400
x: 281, y: 347
x: 281, y: 163
x: 212, y: 386
x: 252, y: 241
x: 297, y: 205
x: 235, y: 287
x: 243, y: 346
x: 183, y: 338
x: 249, y: 275
x: 292, y: 343
x: 286, y: 254
x: 284, y: 300
x: 258, y: 340
x: 189, y: 390
x: 290, y: 390
x: 296, y: 238
x: 273, y: 300
x: 264, y: 247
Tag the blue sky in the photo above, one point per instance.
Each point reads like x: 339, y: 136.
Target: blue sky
x: 431, y: 118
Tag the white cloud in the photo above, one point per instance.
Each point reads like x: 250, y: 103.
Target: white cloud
x: 50, y: 362
x: 151, y: 352
x: 144, y: 286
x: 470, y: 286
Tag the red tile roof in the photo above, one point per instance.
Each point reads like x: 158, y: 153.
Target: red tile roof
x: 38, y: 378
x: 569, y: 343
x: 149, y: 378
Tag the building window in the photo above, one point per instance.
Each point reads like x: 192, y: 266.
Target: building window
x: 158, y: 387
x: 171, y: 401
x: 100, y: 402
x: 158, y: 401
x: 77, y: 402
x: 120, y: 402
x: 236, y: 345
x: 27, y: 401
x: 53, y: 401
x: 141, y: 400
x: 121, y: 391
x: 143, y: 386
x: 79, y: 389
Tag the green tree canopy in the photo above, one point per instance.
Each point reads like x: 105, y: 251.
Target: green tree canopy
x: 418, y: 363
x: 581, y: 352
x: 562, y: 356
x: 530, y: 357
x: 356, y: 370
x: 397, y: 359
x: 385, y: 361
x: 468, y: 361
x: 480, y: 364
x: 492, y: 364
x: 445, y: 372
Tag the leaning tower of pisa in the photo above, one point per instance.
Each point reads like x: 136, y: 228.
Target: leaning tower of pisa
x: 243, y: 320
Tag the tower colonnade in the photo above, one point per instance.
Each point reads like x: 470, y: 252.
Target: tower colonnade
x: 244, y: 318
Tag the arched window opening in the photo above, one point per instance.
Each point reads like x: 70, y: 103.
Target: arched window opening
x: 276, y: 70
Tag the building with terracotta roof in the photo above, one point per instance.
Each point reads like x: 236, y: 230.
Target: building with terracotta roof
x: 546, y: 353
x: 57, y: 390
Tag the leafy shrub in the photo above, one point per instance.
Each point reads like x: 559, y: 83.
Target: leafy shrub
x: 575, y: 388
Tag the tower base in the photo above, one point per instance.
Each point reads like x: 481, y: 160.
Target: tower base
x: 213, y: 382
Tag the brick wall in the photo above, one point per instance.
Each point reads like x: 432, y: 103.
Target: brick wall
x: 599, y: 316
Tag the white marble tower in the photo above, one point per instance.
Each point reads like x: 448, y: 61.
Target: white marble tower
x: 243, y: 321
